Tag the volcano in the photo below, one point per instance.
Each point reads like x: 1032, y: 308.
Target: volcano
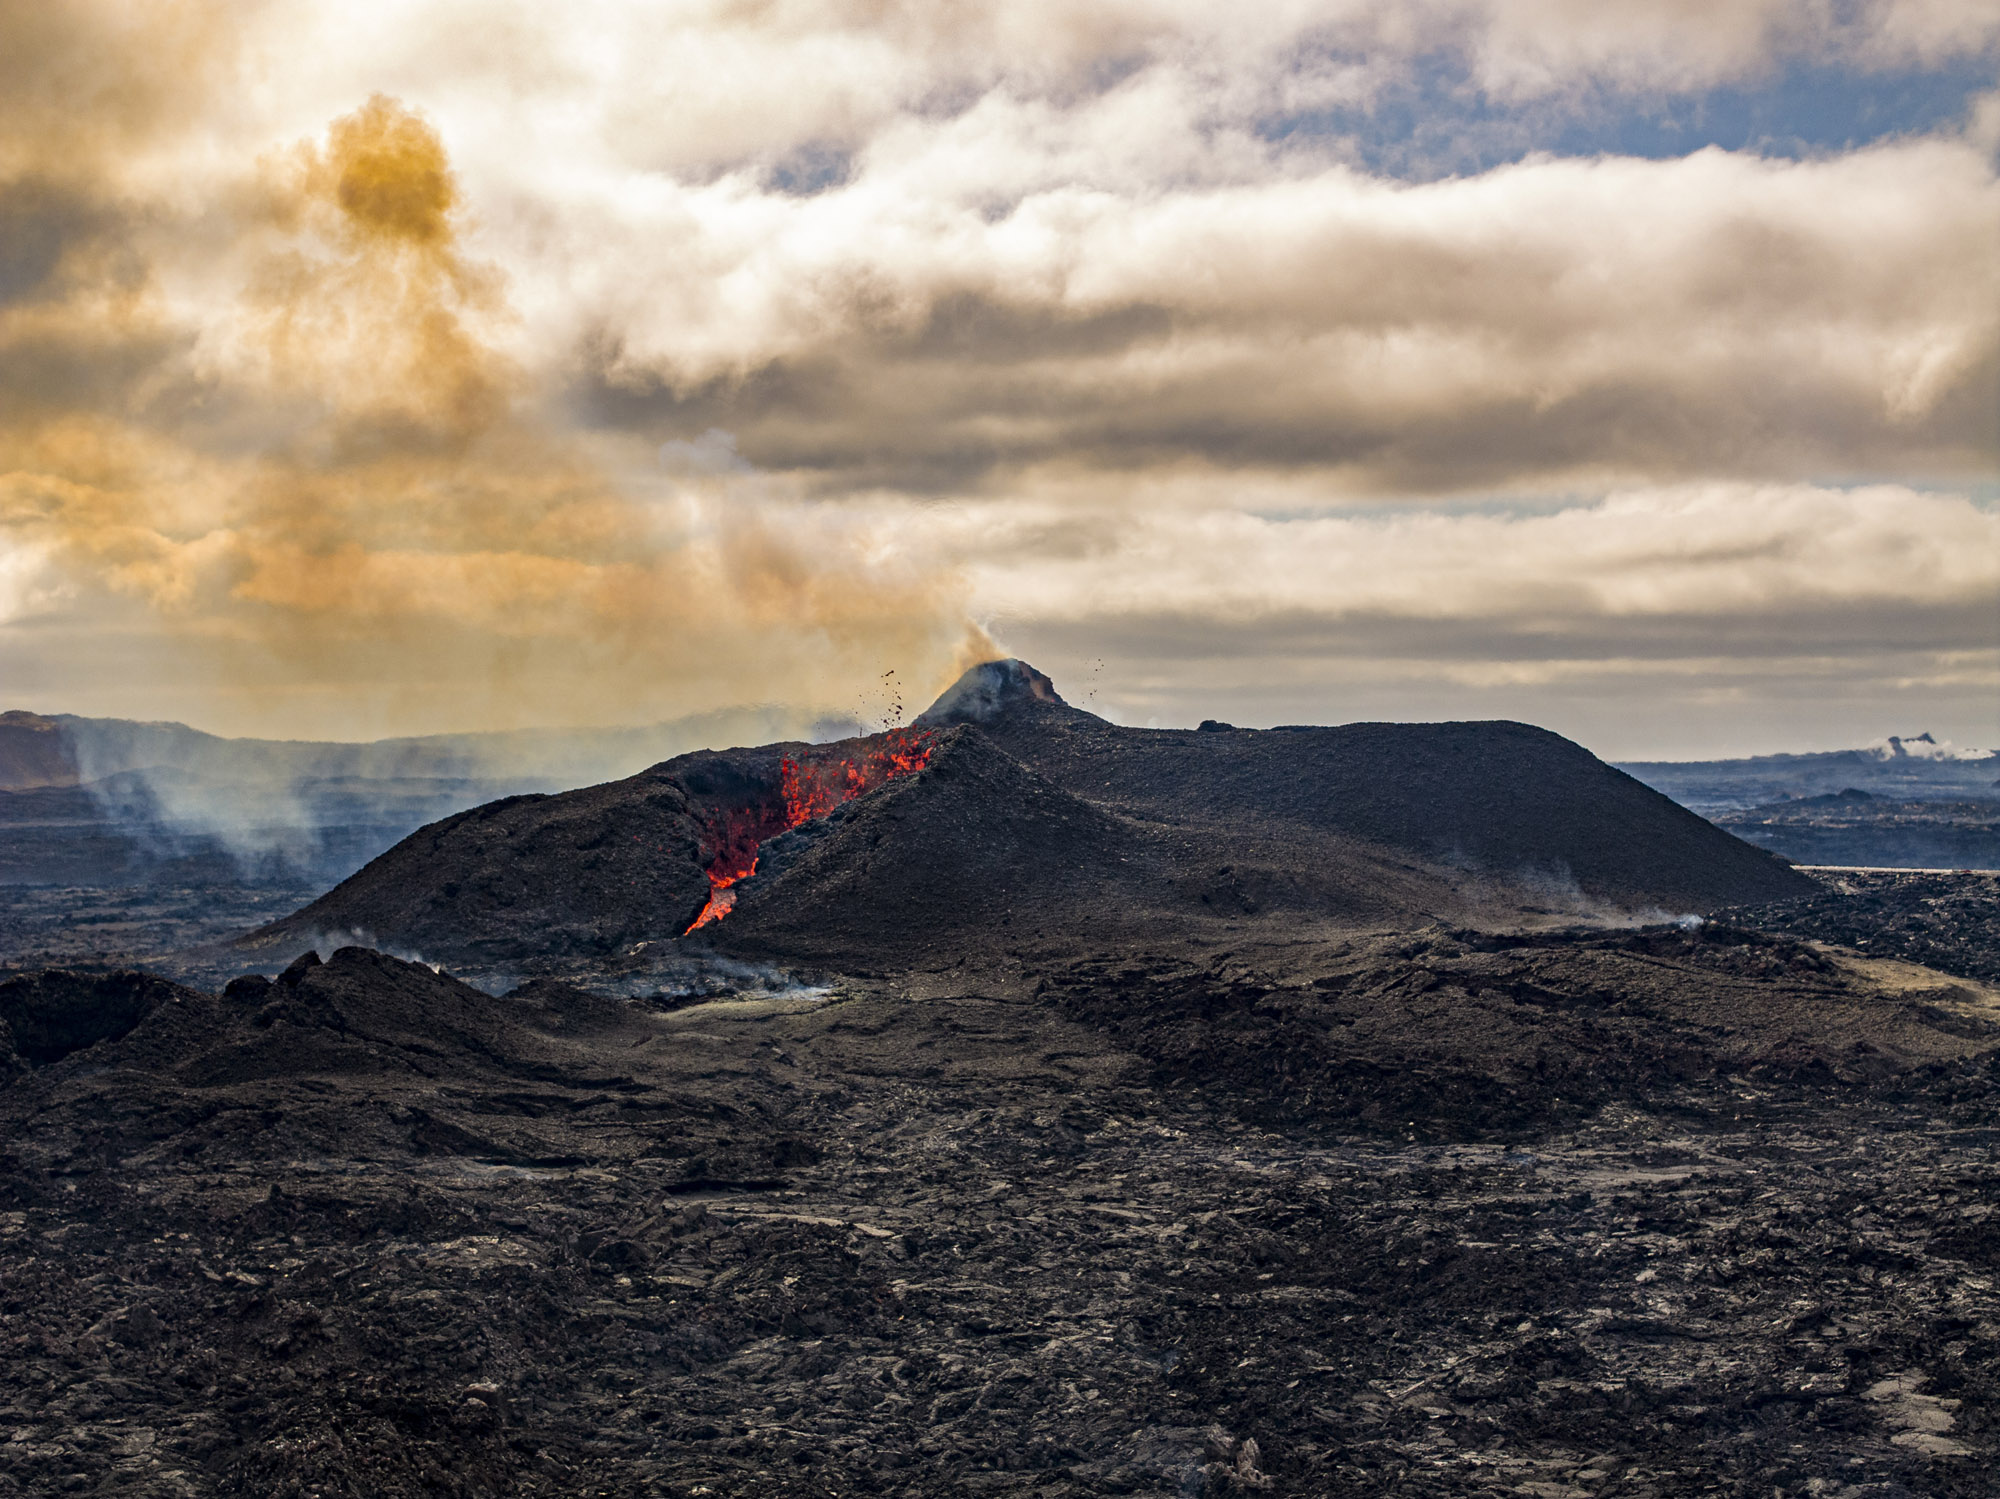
x: 1004, y: 812
x: 1019, y: 1103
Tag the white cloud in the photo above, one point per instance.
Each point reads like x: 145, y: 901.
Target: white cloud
x: 1662, y: 554
x: 1721, y: 313
x: 27, y: 585
x: 1901, y: 33
x: 1025, y: 293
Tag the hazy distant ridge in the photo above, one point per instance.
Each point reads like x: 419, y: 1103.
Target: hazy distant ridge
x: 66, y: 750
x: 1914, y: 768
x: 1902, y: 804
x: 113, y: 801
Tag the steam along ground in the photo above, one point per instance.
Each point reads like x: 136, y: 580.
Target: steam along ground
x: 1377, y: 1110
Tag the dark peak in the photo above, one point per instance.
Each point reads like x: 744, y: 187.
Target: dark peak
x: 988, y: 691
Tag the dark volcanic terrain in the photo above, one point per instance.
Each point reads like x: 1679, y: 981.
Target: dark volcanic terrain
x: 1088, y: 1112
x: 1032, y: 819
x: 1908, y: 803
x: 1853, y: 827
x: 1724, y: 1222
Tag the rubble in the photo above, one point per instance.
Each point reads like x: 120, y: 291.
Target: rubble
x: 1944, y: 920
x: 964, y: 1232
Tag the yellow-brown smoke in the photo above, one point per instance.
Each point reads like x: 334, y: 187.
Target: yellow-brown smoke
x: 328, y: 473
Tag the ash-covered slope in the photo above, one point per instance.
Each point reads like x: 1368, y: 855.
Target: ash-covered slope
x: 1505, y: 799
x: 1036, y: 818
x: 973, y: 844
x: 576, y: 873
x: 978, y: 852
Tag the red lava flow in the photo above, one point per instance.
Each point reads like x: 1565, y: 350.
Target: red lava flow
x: 807, y: 788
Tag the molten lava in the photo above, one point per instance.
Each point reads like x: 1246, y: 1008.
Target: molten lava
x: 721, y: 899
x: 814, y: 789
x: 808, y: 787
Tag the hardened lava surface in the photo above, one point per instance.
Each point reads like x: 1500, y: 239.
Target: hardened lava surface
x: 1948, y: 920
x: 1436, y: 1213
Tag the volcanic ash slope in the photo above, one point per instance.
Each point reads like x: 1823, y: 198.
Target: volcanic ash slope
x: 1034, y: 820
x: 576, y: 874
x: 1506, y: 799
x: 978, y: 853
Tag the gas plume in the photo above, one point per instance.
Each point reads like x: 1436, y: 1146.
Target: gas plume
x: 329, y: 469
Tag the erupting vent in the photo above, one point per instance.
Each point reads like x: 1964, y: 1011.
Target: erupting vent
x: 807, y: 788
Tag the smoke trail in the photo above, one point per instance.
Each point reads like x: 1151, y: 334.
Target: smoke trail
x: 315, y: 476
x: 302, y: 811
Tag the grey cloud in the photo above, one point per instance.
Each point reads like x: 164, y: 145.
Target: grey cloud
x: 1689, y: 706
x: 1719, y: 315
x: 934, y: 424
x: 43, y: 222
x: 1898, y: 634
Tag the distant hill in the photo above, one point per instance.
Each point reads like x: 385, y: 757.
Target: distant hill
x: 62, y: 749
x: 1016, y: 818
x: 34, y: 752
x: 94, y: 801
x: 1906, y: 769
x: 1907, y: 803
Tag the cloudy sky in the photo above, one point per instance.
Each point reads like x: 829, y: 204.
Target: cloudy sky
x: 1631, y: 368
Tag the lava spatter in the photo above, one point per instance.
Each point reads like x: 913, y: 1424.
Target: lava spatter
x: 808, y: 787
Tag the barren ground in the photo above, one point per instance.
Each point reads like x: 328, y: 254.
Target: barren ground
x: 1620, y: 1214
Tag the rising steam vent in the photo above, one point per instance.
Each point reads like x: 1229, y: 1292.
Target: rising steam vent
x: 1005, y: 813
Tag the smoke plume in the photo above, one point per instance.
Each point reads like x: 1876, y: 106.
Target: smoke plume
x: 305, y: 455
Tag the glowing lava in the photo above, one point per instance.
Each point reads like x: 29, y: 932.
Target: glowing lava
x: 808, y: 787
x: 721, y: 899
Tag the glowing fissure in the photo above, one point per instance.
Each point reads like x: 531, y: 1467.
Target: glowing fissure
x: 808, y: 787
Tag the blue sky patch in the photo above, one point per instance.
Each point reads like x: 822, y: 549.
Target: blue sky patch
x: 1439, y: 124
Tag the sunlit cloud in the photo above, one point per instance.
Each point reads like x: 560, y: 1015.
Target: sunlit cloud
x: 449, y: 364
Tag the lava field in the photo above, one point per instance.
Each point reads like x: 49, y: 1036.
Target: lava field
x: 1043, y: 1119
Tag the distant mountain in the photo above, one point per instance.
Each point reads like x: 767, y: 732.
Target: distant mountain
x: 100, y: 801
x: 1908, y: 769
x: 1007, y: 816
x: 1905, y: 803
